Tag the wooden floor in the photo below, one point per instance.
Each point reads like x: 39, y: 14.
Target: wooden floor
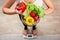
x: 49, y: 25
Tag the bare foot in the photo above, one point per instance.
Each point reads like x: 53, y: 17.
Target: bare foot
x: 34, y: 32
x: 25, y: 32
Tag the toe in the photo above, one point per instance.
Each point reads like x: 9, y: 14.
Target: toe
x: 25, y: 32
x: 34, y: 32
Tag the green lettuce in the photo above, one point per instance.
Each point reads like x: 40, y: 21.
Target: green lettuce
x: 40, y: 11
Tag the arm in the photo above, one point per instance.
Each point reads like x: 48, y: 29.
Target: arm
x: 50, y: 6
x: 6, y: 7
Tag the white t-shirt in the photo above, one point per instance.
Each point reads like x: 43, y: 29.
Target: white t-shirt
x: 37, y: 2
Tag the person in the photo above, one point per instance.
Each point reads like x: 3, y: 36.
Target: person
x: 6, y: 9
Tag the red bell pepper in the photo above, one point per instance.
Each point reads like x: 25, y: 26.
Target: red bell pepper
x: 21, y: 6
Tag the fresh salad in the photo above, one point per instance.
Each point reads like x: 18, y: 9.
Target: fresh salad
x: 31, y: 12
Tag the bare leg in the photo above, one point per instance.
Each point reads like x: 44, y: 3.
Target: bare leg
x: 34, y: 30
x: 25, y: 32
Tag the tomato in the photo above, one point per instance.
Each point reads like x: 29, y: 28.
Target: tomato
x: 32, y: 14
x: 36, y: 18
x: 21, y: 6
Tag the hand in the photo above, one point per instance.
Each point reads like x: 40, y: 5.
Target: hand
x: 18, y: 12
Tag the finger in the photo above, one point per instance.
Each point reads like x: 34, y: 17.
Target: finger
x: 19, y: 12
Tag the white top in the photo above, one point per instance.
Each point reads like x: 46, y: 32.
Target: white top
x: 37, y: 2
